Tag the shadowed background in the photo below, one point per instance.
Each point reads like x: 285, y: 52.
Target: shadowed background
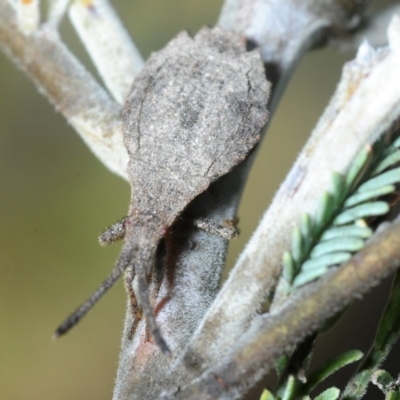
x: 56, y: 197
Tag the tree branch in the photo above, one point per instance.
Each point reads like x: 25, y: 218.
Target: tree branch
x: 271, y: 334
x: 56, y: 12
x: 257, y: 270
x: 28, y: 16
x: 373, y: 29
x: 284, y: 31
x: 68, y: 86
x: 108, y: 44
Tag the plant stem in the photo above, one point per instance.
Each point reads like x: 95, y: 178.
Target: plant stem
x: 386, y: 336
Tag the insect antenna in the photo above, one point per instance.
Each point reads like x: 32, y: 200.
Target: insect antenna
x: 80, y: 312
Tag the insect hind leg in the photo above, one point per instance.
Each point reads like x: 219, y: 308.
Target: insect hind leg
x: 144, y: 302
x: 133, y: 303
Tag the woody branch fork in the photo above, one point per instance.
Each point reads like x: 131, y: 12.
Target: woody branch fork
x: 95, y: 114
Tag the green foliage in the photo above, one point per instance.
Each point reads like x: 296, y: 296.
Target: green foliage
x: 290, y: 388
x: 386, y: 383
x: 393, y: 395
x: 331, y: 367
x: 329, y: 394
x: 297, y: 386
x: 345, y: 220
x: 386, y: 336
x: 267, y: 395
x: 281, y: 365
x: 382, y: 379
x: 340, y: 227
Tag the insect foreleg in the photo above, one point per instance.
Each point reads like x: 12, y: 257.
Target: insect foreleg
x: 113, y: 233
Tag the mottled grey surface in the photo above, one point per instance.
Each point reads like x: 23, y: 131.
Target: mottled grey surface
x: 194, y: 112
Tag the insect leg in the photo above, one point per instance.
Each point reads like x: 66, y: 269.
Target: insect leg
x: 113, y: 233
x: 226, y: 230
x: 135, y: 309
x: 144, y: 301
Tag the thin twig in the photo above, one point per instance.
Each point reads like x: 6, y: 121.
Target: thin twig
x: 284, y: 31
x: 112, y: 50
x: 28, y: 15
x: 373, y: 29
x: 386, y: 337
x: 56, y: 12
x: 67, y: 84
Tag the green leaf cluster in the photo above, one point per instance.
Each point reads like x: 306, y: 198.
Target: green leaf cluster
x: 343, y: 220
x: 385, y: 382
x: 294, y: 387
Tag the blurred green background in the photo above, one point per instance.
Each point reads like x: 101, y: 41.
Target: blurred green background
x: 56, y: 197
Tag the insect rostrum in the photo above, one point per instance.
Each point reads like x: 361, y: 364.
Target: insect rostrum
x: 194, y: 112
